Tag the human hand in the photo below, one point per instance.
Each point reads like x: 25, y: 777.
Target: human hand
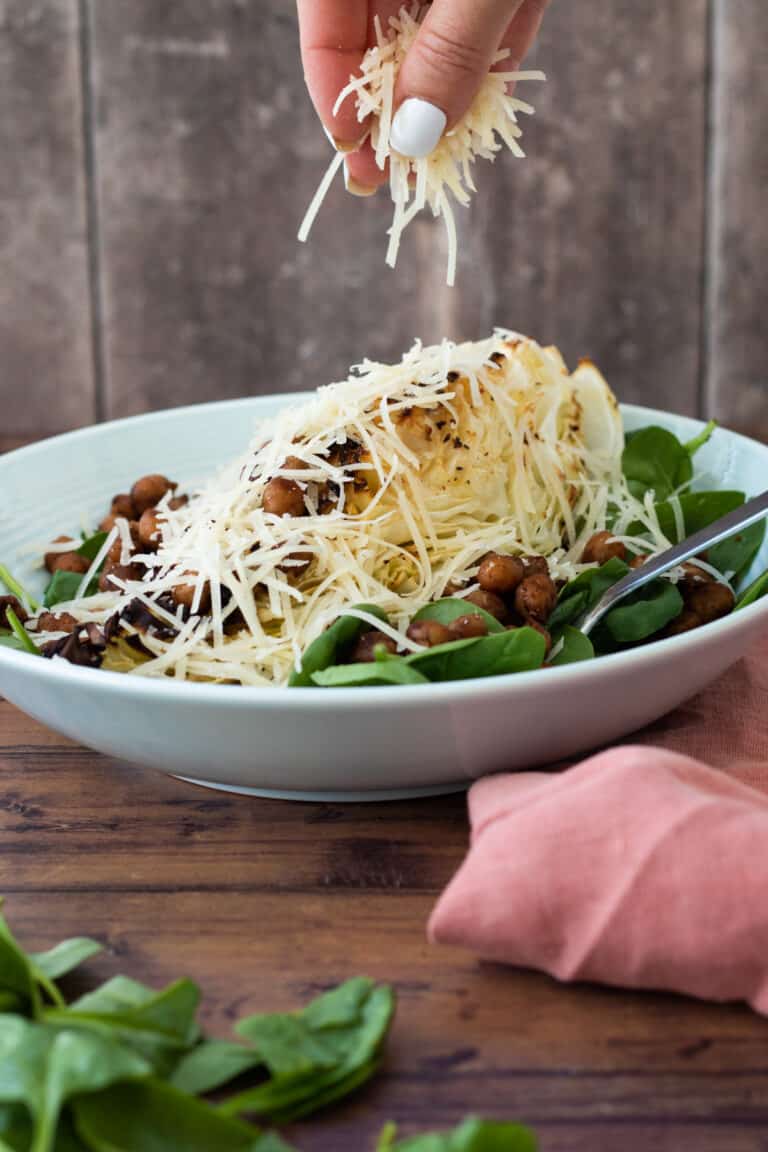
x: 438, y: 82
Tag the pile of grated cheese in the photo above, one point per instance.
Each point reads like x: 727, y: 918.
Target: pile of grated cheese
x: 410, y: 473
x: 490, y: 123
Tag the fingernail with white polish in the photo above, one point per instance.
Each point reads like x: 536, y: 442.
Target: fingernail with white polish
x: 417, y: 128
x: 355, y: 188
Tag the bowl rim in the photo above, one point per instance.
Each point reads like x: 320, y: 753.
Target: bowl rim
x: 396, y: 696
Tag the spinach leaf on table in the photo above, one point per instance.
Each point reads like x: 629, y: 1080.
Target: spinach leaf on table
x: 65, y: 957
x: 43, y: 1068
x: 152, y: 1116
x: 318, y: 1054
x: 655, y: 460
x: 474, y: 1135
x: 328, y: 648
x: 157, y: 1025
x: 584, y: 592
x: 450, y: 608
x: 518, y: 650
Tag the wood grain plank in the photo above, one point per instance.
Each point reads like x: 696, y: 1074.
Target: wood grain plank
x: 45, y: 326
x: 594, y: 241
x: 265, y: 904
x: 737, y: 387
x: 467, y: 1037
x: 208, y: 154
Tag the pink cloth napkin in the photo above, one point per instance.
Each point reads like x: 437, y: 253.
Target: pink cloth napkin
x: 640, y: 867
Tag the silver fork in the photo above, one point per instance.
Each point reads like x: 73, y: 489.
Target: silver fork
x: 721, y: 529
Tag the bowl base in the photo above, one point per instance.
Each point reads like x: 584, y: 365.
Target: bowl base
x: 350, y: 797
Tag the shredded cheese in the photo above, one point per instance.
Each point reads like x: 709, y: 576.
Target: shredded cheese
x: 490, y: 123
x: 409, y: 474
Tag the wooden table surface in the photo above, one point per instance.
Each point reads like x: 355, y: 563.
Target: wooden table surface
x: 265, y: 903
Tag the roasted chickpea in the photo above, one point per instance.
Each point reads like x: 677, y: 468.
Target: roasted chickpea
x: 430, y: 633
x: 710, y: 601
x: 122, y: 505
x: 283, y: 497
x: 50, y: 558
x: 120, y: 572
x: 16, y: 606
x: 184, y: 596
x: 601, y: 548
x: 500, y: 574
x: 535, y: 565
x: 364, y: 651
x: 536, y: 597
x: 56, y: 622
x: 116, y: 550
x: 149, y: 529
x: 490, y: 603
x: 148, y: 491
x: 694, y: 576
x: 468, y: 627
x: 685, y: 622
x: 70, y: 562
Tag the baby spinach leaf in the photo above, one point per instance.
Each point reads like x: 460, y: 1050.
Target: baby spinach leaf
x: 576, y: 647
x: 474, y: 1135
x: 92, y: 545
x: 43, y: 1067
x: 654, y: 459
x: 692, y: 446
x: 326, y: 650
x: 8, y: 640
x: 157, y: 1025
x: 151, y: 1116
x: 317, y: 1055
x: 63, y: 587
x: 393, y: 670
x: 17, y: 981
x: 15, y: 1128
x: 16, y: 589
x: 584, y: 592
x: 756, y: 590
x: 518, y: 650
x: 642, y: 614
x: 450, y: 608
x: 736, y: 554
x: 64, y: 957
x: 24, y: 640
x: 699, y: 509
x: 213, y: 1063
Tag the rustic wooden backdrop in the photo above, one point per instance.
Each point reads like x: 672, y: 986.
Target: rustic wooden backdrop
x: 157, y: 158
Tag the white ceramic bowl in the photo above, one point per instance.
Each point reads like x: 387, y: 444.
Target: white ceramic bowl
x: 368, y: 743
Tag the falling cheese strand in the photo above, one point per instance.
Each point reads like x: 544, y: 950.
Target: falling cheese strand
x: 455, y: 451
x: 490, y: 123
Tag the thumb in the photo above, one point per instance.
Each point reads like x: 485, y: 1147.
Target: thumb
x: 448, y: 62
